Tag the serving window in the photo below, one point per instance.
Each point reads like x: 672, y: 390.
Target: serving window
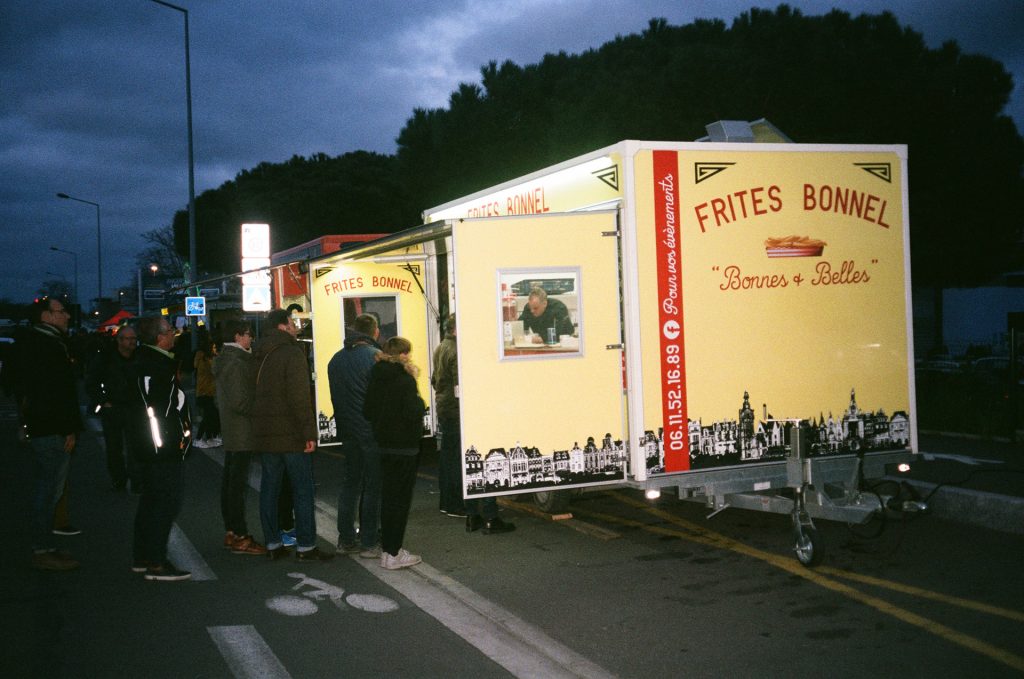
x: 539, y: 313
x: 383, y: 307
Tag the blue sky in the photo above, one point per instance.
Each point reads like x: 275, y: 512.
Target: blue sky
x: 92, y: 98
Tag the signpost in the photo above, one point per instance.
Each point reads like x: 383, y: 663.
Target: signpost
x: 195, y: 306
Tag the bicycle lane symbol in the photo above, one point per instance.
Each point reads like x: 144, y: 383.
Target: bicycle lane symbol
x: 295, y: 605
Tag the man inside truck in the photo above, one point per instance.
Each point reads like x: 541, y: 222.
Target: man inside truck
x: 542, y: 313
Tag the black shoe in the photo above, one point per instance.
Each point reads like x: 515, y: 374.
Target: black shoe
x: 166, y: 573
x: 67, y: 530
x: 277, y: 553
x: 313, y: 555
x: 141, y: 566
x: 474, y: 522
x: 496, y: 525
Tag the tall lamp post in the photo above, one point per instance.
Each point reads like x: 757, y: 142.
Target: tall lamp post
x: 74, y: 293
x: 153, y: 268
x: 191, y: 163
x: 99, y: 250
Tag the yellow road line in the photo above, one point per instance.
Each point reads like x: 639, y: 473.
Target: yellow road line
x: 924, y: 593
x: 698, y: 534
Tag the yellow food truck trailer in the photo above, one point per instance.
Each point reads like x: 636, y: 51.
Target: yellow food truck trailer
x: 733, y: 322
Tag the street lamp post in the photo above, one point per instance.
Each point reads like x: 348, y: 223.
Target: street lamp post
x: 190, y: 277
x: 153, y: 268
x: 58, y: 275
x: 99, y: 250
x: 75, y: 255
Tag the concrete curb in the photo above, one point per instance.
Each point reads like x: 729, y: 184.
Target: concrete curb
x: 974, y: 507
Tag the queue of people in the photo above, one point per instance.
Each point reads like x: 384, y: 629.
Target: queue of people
x: 262, y: 410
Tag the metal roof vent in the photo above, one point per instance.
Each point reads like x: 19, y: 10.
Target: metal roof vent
x: 731, y: 131
x: 740, y: 131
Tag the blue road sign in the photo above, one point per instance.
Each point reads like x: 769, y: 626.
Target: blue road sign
x: 195, y: 306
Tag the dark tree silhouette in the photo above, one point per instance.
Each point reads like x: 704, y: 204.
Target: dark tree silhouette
x: 833, y: 78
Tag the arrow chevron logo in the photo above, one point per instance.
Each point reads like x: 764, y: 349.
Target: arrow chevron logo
x: 323, y: 271
x: 609, y: 175
x: 702, y: 171
x: 881, y: 170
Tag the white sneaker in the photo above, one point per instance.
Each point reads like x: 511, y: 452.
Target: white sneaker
x: 401, y: 560
x: 371, y: 553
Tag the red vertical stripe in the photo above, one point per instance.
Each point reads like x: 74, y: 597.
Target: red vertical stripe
x: 672, y: 357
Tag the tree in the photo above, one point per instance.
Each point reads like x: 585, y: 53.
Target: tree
x: 161, y: 252
x: 301, y: 199
x: 822, y: 79
x: 833, y: 78
x: 55, y: 287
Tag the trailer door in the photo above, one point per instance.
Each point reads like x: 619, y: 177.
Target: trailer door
x: 541, y: 395
x: 340, y: 291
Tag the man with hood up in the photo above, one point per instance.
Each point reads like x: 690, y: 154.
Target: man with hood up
x: 348, y: 374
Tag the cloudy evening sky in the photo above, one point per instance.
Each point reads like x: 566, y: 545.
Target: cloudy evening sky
x: 93, y: 94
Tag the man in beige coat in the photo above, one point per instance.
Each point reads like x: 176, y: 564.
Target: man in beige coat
x: 284, y: 433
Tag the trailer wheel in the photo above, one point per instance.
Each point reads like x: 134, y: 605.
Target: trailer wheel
x: 809, y: 551
x: 553, y: 501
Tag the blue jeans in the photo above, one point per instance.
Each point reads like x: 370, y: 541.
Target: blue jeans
x: 360, y: 485
x: 300, y: 472
x: 50, y: 464
x: 449, y: 467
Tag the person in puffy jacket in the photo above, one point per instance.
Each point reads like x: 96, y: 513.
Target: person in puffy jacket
x: 394, y: 409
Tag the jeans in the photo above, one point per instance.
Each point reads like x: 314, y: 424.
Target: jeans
x: 300, y: 472
x: 159, y: 504
x: 50, y: 464
x: 360, y: 485
x: 233, y: 485
x: 449, y: 466
x: 398, y: 478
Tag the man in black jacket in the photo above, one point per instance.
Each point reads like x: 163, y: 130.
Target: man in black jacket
x: 543, y: 313
x: 43, y: 380
x: 159, y: 431
x: 110, y: 387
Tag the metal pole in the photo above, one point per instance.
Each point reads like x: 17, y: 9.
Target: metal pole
x: 191, y: 276
x: 74, y: 293
x: 99, y: 249
x: 140, y: 292
x: 99, y: 260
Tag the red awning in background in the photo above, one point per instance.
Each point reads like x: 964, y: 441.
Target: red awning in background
x: 115, y: 320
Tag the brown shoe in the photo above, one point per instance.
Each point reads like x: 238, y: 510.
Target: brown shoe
x: 247, y: 545
x: 229, y: 539
x: 53, y: 561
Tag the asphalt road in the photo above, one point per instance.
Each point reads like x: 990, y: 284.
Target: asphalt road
x: 626, y: 587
